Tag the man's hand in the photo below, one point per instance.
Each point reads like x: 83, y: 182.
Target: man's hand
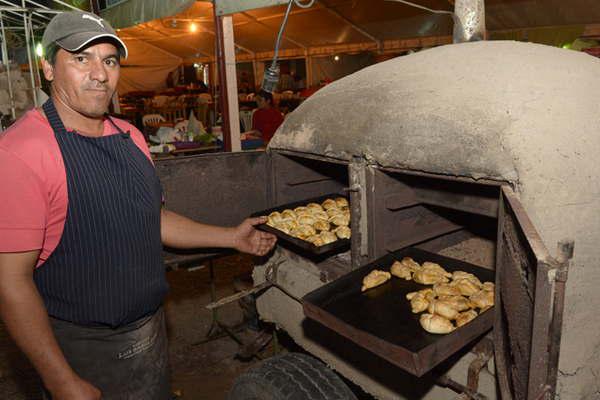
x: 77, y: 390
x: 249, y: 240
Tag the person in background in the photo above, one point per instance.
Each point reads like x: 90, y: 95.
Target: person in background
x: 82, y: 227
x: 266, y: 118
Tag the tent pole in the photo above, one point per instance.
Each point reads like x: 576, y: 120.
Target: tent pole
x: 28, y: 44
x: 309, y: 74
x: 231, y: 88
x: 220, y: 61
x: 6, y: 63
x: 36, y: 58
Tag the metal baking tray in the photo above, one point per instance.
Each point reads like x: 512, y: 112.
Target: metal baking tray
x: 335, y: 247
x: 381, y: 321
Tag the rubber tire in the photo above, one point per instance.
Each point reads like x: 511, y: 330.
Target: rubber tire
x: 291, y: 376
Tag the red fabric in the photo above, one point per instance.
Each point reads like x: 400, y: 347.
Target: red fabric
x: 266, y: 120
x: 33, y: 184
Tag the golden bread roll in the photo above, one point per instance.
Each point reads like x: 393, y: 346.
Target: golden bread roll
x: 328, y: 237
x: 320, y: 215
x: 466, y: 287
x: 314, y: 207
x: 433, y: 267
x: 436, y: 324
x: 283, y: 227
x: 339, y: 220
x: 305, y: 213
x: 401, y: 271
x: 443, y: 308
x: 459, y: 303
x: 303, y: 231
x: 332, y: 212
x: 341, y: 202
x: 482, y: 299
x: 445, y: 289
x: 300, y: 209
x: 456, y: 275
x: 488, y: 286
x: 321, y: 225
x: 419, y: 303
x: 374, y: 279
x: 343, y: 232
x: 410, y: 263
x: 426, y: 277
x: 306, y: 220
x: 329, y: 203
x: 289, y: 214
x: 465, y: 317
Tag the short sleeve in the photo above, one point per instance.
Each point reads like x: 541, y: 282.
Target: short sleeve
x: 23, y: 206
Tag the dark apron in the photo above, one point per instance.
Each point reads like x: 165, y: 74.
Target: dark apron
x: 104, y: 284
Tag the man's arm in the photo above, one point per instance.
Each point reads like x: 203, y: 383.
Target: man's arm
x: 26, y: 319
x: 183, y: 233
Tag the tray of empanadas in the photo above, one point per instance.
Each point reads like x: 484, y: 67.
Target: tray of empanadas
x: 412, y: 307
x: 317, y: 225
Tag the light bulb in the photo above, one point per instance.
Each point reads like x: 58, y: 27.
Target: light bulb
x: 39, y: 50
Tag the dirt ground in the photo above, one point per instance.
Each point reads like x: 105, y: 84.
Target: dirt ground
x: 200, y: 370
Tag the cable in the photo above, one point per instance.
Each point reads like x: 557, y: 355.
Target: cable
x: 307, y: 5
x: 423, y: 7
x: 271, y: 77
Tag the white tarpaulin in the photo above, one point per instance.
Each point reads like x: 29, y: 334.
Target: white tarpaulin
x: 146, y: 68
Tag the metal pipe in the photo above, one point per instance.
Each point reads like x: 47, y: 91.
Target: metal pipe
x: 36, y: 58
x: 34, y: 10
x: 565, y: 253
x: 469, y: 21
x: 451, y: 384
x: 6, y: 62
x: 25, y: 9
x: 62, y: 3
x: 28, y: 44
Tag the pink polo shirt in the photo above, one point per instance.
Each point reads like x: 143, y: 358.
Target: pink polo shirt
x: 33, y: 184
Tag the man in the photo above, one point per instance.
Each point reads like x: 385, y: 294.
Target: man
x: 81, y: 230
x: 266, y: 119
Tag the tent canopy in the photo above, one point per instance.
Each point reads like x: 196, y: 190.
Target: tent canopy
x: 366, y: 23
x: 331, y: 27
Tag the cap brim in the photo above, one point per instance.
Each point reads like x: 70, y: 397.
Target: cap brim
x: 80, y: 40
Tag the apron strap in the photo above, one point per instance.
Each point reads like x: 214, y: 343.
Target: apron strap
x: 115, y: 125
x: 53, y: 117
x: 57, y: 124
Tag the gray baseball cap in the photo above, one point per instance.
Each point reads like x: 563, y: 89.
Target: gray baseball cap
x: 73, y: 30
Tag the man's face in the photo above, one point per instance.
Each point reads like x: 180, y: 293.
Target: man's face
x: 86, y: 80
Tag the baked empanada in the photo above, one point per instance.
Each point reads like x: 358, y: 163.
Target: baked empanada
x: 374, y: 279
x: 436, y: 324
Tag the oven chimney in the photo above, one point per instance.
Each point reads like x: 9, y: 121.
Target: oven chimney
x: 469, y: 21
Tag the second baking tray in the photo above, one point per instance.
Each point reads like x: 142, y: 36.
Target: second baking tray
x: 335, y: 247
x: 380, y: 319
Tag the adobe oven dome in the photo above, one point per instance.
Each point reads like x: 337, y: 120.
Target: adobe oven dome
x: 482, y: 109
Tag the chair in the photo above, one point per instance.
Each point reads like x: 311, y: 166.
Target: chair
x: 246, y: 118
x: 181, y: 126
x: 152, y: 119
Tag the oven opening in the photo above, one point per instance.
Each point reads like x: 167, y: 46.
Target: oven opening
x: 451, y: 217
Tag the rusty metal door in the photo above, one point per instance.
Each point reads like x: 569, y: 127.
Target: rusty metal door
x: 524, y: 312
x: 219, y: 188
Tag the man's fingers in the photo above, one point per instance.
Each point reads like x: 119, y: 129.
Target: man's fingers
x: 257, y: 220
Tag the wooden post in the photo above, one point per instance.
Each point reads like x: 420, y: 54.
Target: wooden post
x: 220, y: 64
x: 231, y: 88
x: 308, y: 82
